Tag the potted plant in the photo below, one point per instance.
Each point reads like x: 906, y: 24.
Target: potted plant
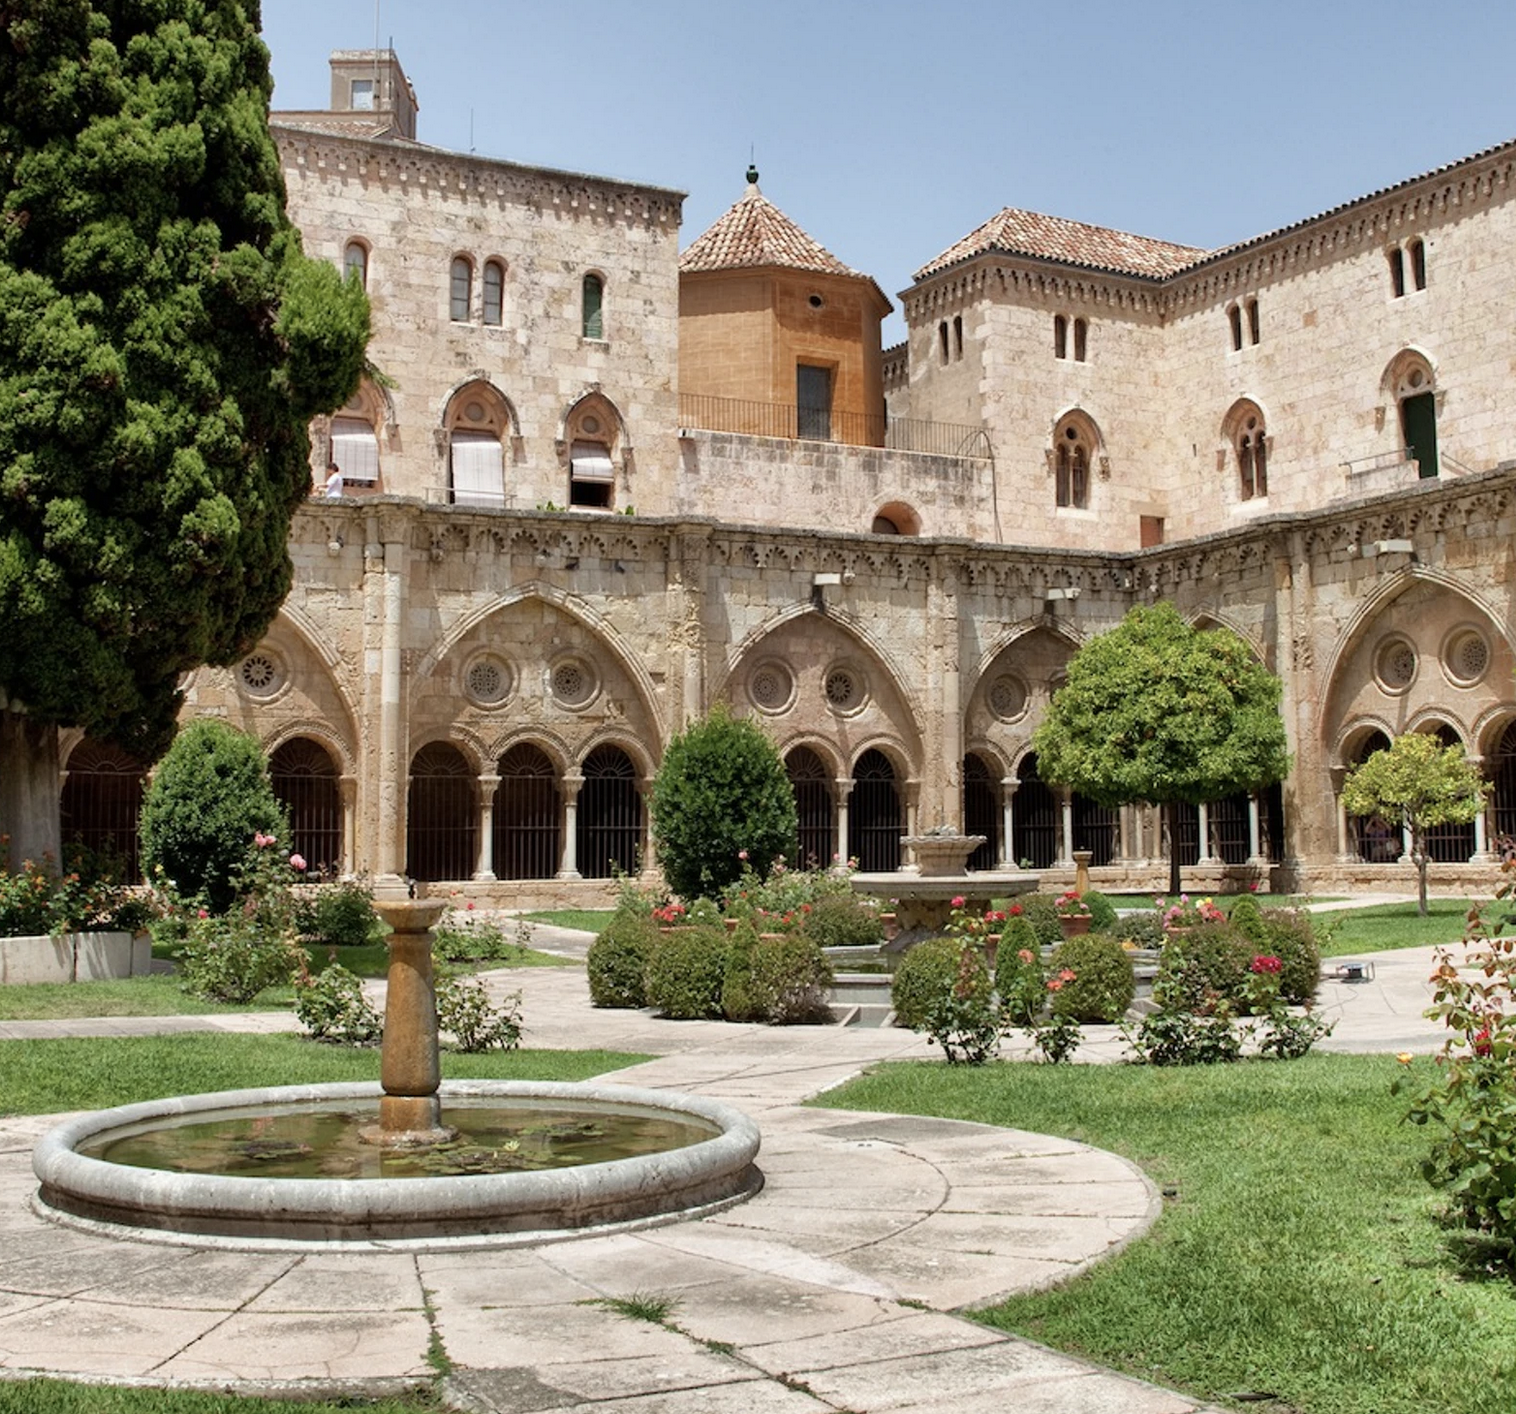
x: 1073, y: 913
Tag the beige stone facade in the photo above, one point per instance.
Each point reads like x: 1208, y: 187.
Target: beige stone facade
x: 491, y: 678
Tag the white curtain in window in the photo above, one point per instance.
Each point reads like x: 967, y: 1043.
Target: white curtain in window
x: 592, y: 462
x: 355, y: 449
x: 478, y: 469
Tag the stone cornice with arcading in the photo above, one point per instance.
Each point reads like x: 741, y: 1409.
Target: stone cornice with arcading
x: 385, y: 162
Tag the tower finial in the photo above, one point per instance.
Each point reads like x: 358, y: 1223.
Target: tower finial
x: 752, y: 175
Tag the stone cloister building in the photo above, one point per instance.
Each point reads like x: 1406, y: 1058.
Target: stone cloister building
x: 602, y: 486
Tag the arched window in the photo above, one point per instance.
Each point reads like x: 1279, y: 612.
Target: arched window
x: 306, y: 781
x: 896, y: 518
x: 1416, y: 396
x: 812, y: 784
x: 1081, y: 339
x: 441, y: 828
x: 1060, y: 336
x: 1096, y: 828
x: 1417, y: 250
x: 102, y: 799
x: 981, y: 810
x: 1451, y: 843
x: 610, y: 815
x: 592, y: 431
x: 942, y: 340
x: 461, y: 290
x: 355, y: 438
x: 1245, y: 430
x: 1034, y: 818
x: 1255, y: 328
x: 957, y: 336
x: 1073, y: 451
x: 355, y: 262
x: 478, y: 421
x: 494, y: 292
x: 1503, y: 773
x: 875, y: 820
x: 527, y: 808
x: 592, y: 299
x: 1234, y: 318
x: 1397, y: 271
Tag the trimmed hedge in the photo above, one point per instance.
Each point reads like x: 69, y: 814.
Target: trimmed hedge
x: 1103, y: 984
x: 926, y: 974
x: 618, y: 960
x: 686, y: 973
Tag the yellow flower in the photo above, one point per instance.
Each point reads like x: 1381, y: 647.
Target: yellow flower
x: 1404, y: 1057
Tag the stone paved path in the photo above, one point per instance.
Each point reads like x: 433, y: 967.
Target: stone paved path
x: 833, y: 1289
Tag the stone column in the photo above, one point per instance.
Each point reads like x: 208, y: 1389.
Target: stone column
x: 844, y: 786
x: 488, y: 785
x: 1255, y: 833
x: 649, y: 853
x: 1008, y: 822
x: 391, y: 745
x: 1204, y: 853
x: 409, y: 1110
x: 568, y: 839
x: 1483, y: 854
x: 1065, y: 858
x: 910, y: 792
x: 347, y: 788
x: 1345, y: 854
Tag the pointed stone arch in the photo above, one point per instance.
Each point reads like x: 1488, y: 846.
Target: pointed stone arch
x: 478, y: 428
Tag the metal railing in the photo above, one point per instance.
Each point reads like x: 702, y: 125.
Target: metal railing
x: 787, y: 421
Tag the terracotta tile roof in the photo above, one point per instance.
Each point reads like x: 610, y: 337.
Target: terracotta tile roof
x: 755, y: 232
x: 1070, y: 242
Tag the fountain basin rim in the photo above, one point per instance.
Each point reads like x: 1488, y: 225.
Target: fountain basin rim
x: 158, y: 1202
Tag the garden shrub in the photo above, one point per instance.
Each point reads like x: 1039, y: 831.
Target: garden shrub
x: 1041, y: 911
x: 1289, y: 935
x: 338, y: 916
x: 922, y: 976
x: 464, y: 935
x: 1144, y: 929
x: 1209, y: 961
x: 1020, y: 980
x: 721, y: 797
x: 842, y: 921
x: 466, y: 1013
x: 1247, y: 918
x: 685, y: 973
x: 1102, y: 911
x: 618, y: 959
x: 1179, y: 1037
x: 332, y: 1008
x: 231, y: 957
x: 1103, y: 983
x: 209, y: 797
x: 789, y: 981
x: 737, y: 1000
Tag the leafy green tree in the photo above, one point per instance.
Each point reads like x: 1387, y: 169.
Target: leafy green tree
x: 1421, y: 783
x: 163, y: 345
x: 1159, y: 711
x: 210, y: 799
x: 721, y: 798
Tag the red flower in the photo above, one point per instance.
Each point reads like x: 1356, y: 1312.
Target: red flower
x: 1015, y: 910
x: 1482, y: 1046
x: 1263, y: 964
x: 957, y: 902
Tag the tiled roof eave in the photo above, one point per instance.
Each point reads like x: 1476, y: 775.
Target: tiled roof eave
x: 769, y: 267
x: 1047, y: 261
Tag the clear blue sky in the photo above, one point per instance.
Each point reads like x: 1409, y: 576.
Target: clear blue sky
x: 888, y: 130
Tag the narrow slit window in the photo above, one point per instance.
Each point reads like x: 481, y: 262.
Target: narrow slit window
x: 1234, y: 315
x: 1397, y: 272
x: 355, y: 262
x: 461, y: 293
x: 942, y: 340
x: 1254, y: 329
x: 1081, y: 339
x: 1060, y: 336
x: 1418, y: 252
x: 957, y: 336
x: 494, y: 292
x: 593, y: 314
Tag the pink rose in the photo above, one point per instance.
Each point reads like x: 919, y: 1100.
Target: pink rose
x: 297, y: 861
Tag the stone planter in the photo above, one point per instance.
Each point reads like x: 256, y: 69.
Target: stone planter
x: 940, y: 856
x: 74, y: 957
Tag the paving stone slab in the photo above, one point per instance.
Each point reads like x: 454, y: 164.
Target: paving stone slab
x: 899, y: 1335
x: 367, y: 1282
x: 278, y: 1346
x: 98, y: 1338
x: 544, y: 1336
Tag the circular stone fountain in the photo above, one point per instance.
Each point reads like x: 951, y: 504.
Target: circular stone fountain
x: 407, y: 1161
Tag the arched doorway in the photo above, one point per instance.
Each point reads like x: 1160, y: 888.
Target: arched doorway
x: 1452, y: 843
x: 441, y: 827
x: 1377, y: 840
x: 1096, y: 828
x: 875, y: 820
x: 306, y: 781
x: 1034, y: 823
x: 1503, y: 774
x: 814, y: 807
x: 526, y: 842
x: 981, y: 810
x: 609, y: 836
x: 101, y: 802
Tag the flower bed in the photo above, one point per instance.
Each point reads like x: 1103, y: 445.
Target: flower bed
x: 74, y: 957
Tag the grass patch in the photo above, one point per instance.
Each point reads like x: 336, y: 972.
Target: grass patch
x: 61, y: 1397
x: 586, y: 920
x: 647, y: 1306
x: 155, y: 995
x: 79, y: 1073
x: 1300, y: 1255
x: 1386, y: 926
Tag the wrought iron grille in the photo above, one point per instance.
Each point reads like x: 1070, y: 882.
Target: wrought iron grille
x: 609, y: 836
x: 1097, y: 828
x: 1034, y: 818
x: 305, y: 779
x: 813, y: 806
x: 1451, y: 843
x: 1271, y: 811
x: 981, y: 811
x: 1184, y: 821
x: 874, y: 816
x: 1504, y: 774
x: 1228, y: 819
x: 102, y: 798
x: 527, y: 805
x: 441, y: 823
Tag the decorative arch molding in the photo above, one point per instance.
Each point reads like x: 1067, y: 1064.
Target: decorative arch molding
x: 1490, y: 726
x: 1236, y: 417
x: 1057, y: 628
x: 892, y: 749
x: 850, y: 624
x: 636, y: 753
x: 319, y: 732
x: 489, y: 389
x: 469, y: 744
x: 996, y: 757
x: 550, y: 744
x: 303, y: 626
x: 1432, y: 716
x: 593, y: 392
x: 1204, y: 619
x: 826, y: 750
x: 1399, y: 367
x: 572, y: 606
x: 1393, y: 587
x: 1344, y: 748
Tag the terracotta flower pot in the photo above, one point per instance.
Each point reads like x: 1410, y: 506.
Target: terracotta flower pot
x: 1074, y: 925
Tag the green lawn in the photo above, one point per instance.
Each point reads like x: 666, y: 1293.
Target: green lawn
x: 587, y: 920
x: 78, y: 1073
x: 1298, y: 1254
x: 59, y: 1397
x: 1394, y: 925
